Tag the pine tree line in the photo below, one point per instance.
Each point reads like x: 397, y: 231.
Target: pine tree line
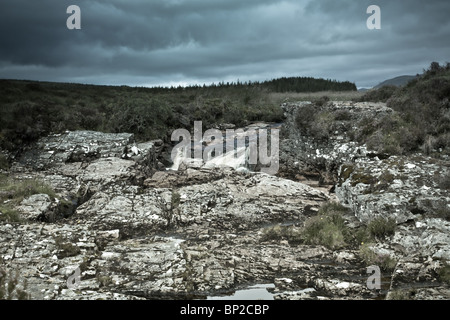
x: 284, y: 84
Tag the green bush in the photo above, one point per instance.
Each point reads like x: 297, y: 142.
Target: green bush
x: 328, y: 227
x: 305, y: 117
x: 381, y: 227
x: 322, y: 231
x: 322, y: 127
x: 369, y: 257
x: 8, y: 214
x: 315, y: 122
x: 290, y: 233
x: 400, y: 294
x: 444, y: 274
x: 12, y: 192
x: 420, y: 121
x: 4, y: 164
x: 22, y: 189
x: 423, y: 105
x: 379, y: 95
x: 322, y: 101
x: 66, y: 248
x: 11, y: 288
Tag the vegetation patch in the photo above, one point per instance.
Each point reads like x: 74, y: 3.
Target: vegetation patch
x: 346, y: 171
x: 444, y: 274
x: 444, y: 181
x: 319, y: 123
x: 12, y: 192
x: 34, y: 109
x: 11, y: 287
x: 324, y: 230
x: 381, y: 228
x: 369, y: 257
x: 327, y: 228
x: 379, y: 95
x: 8, y: 214
x: 364, y: 178
x: 4, y: 163
x: 66, y: 248
x: 421, y: 121
x: 291, y: 234
x: 401, y: 294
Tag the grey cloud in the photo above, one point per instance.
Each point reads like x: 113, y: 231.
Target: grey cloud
x: 139, y: 42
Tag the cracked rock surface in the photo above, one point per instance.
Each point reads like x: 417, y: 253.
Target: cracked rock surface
x: 135, y: 230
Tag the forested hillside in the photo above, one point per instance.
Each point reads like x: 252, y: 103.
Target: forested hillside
x: 32, y: 109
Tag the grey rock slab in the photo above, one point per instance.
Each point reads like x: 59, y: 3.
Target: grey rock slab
x: 149, y: 268
x: 35, y: 206
x: 75, y: 146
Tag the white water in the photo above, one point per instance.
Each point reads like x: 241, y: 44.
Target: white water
x: 228, y: 159
x: 234, y: 159
x: 256, y: 292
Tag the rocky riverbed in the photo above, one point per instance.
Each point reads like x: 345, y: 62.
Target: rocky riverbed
x: 135, y: 230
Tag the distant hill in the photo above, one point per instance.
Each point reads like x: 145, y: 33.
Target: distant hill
x: 397, y: 81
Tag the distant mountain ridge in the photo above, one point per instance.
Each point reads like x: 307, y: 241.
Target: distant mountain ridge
x: 397, y: 81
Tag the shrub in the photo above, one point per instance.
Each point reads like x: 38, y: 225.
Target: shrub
x: 423, y: 104
x: 305, y: 116
x: 322, y: 101
x: 444, y: 181
x: 333, y: 208
x: 420, y: 121
x: 21, y: 189
x: 400, y: 294
x: 149, y: 113
x: 313, y: 121
x: 381, y: 227
x: 290, y: 233
x: 321, y: 127
x: 322, y: 231
x: 379, y: 95
x: 10, y: 285
x: 175, y: 200
x: 66, y: 248
x: 9, y: 214
x: 4, y: 164
x: 13, y: 192
x: 369, y: 257
x: 328, y: 227
x: 342, y: 115
x: 444, y: 274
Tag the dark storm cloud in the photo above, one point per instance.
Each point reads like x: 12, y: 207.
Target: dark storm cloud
x: 151, y: 42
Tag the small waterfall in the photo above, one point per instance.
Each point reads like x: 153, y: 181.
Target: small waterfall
x: 242, y: 157
x: 234, y: 159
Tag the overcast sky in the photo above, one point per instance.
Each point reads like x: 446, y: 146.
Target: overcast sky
x: 172, y: 42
